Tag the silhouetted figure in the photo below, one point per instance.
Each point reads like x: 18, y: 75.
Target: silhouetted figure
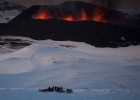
x: 53, y: 88
x: 61, y: 88
x: 49, y: 88
x: 57, y: 89
x: 69, y: 91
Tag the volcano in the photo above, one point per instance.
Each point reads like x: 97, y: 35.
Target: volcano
x: 71, y: 11
x: 75, y: 21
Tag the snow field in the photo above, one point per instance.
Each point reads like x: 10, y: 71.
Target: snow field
x: 93, y: 73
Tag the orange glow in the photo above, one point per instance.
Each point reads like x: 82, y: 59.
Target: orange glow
x: 43, y: 14
x: 98, y: 15
x: 69, y: 18
x: 83, y: 15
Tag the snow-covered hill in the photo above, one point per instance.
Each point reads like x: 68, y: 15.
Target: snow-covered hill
x: 8, y: 11
x: 93, y: 73
x: 13, y: 43
x: 7, y: 15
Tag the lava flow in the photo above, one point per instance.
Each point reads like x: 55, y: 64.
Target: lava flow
x: 42, y: 14
x: 83, y: 16
x: 98, y: 15
x: 69, y: 18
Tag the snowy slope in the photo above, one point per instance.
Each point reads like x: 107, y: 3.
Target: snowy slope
x: 93, y: 73
x: 7, y: 15
x: 13, y: 43
x: 8, y: 11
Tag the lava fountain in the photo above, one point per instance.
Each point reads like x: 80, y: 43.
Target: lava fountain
x: 42, y: 14
x: 98, y: 15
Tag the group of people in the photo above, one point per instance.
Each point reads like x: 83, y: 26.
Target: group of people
x: 56, y: 89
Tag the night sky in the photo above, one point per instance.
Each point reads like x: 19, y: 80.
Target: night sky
x: 129, y: 4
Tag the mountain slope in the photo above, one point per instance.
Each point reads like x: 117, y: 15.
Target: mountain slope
x: 8, y: 11
x: 91, y: 32
x: 132, y: 16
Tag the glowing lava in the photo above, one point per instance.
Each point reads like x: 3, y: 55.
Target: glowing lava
x: 83, y: 16
x: 42, y: 14
x: 69, y: 18
x: 98, y: 15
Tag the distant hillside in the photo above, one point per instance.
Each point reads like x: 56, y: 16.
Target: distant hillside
x: 8, y: 11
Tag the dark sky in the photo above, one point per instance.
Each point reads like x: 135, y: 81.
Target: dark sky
x: 130, y: 4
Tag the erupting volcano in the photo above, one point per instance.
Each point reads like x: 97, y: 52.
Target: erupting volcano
x: 98, y: 15
x: 71, y: 11
x: 74, y: 21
